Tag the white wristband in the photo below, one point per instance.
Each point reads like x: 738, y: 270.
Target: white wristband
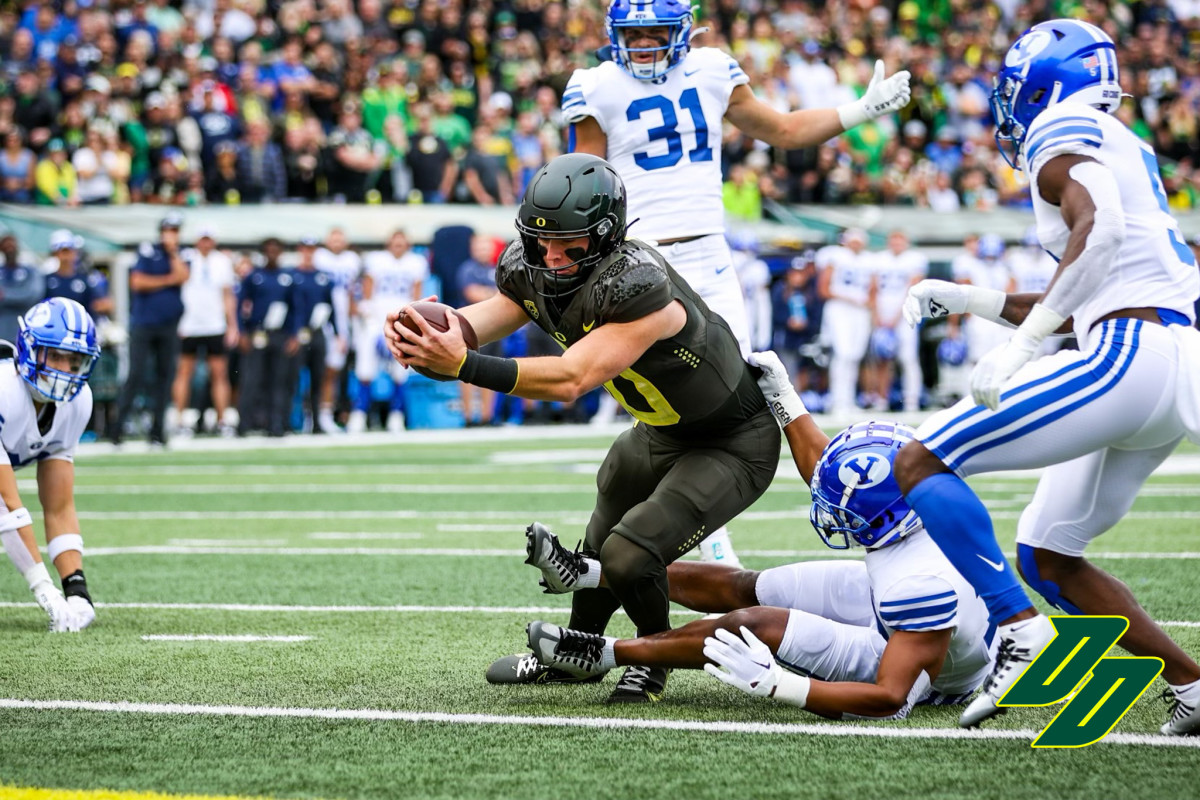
x: 787, y: 407
x: 852, y: 114
x: 1040, y: 323
x: 791, y: 689
x: 986, y: 303
x: 36, y: 575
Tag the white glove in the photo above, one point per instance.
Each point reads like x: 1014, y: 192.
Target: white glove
x: 62, y: 618
x: 777, y: 388
x: 883, y: 96
x: 932, y: 299
x: 744, y: 663
x: 85, y: 612
x: 995, y: 368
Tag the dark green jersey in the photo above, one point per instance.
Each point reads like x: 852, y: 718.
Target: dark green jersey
x: 695, y: 378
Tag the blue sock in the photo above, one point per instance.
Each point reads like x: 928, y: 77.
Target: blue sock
x: 397, y: 398
x: 959, y: 523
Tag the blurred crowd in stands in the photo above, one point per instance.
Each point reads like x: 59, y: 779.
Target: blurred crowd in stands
x: 187, y: 102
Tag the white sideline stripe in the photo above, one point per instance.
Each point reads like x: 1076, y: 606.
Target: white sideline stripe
x: 526, y: 610
x: 173, y: 547
x: 226, y: 542
x: 367, y: 535
x: 208, y: 637
x: 610, y: 723
x: 398, y: 489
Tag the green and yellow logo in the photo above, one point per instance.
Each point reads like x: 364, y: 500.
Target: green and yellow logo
x: 532, y: 309
x: 1074, y: 665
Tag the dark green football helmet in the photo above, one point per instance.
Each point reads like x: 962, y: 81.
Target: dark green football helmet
x: 573, y: 196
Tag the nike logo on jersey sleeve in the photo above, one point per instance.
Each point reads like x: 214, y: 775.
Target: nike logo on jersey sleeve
x: 999, y: 567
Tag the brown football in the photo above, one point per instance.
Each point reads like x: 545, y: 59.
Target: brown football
x: 436, y: 315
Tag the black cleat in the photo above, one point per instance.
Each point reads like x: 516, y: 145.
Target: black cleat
x: 560, y: 567
x: 573, y: 652
x: 524, y: 668
x: 640, y: 685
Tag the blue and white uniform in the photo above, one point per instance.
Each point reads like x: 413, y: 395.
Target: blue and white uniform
x: 19, y: 433
x: 395, y: 282
x: 894, y: 274
x: 344, y: 269
x: 664, y: 140
x: 1104, y: 416
x: 846, y: 319
x: 843, y: 613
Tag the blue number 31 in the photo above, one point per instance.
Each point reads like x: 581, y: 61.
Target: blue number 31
x: 668, y: 132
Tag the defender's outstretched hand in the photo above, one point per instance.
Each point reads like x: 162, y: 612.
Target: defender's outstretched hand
x: 883, y: 96
x: 776, y: 386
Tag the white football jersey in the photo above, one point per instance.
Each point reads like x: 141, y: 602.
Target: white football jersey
x: 852, y: 273
x: 1154, y: 266
x: 987, y: 274
x: 204, y: 293
x: 893, y: 275
x: 344, y: 269
x: 915, y: 588
x: 664, y: 138
x: 393, y: 279
x: 1032, y: 268
x: 19, y: 426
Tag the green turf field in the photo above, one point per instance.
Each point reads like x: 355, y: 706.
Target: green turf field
x: 395, y: 575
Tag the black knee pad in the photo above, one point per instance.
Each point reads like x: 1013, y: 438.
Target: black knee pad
x: 625, y: 562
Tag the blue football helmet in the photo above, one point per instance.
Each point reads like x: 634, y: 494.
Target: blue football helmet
x: 952, y: 352
x: 991, y: 247
x: 1051, y: 62
x: 58, y: 329
x: 854, y: 491
x: 675, y: 15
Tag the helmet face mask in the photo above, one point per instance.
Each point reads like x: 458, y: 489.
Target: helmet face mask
x: 855, y: 498
x: 578, y: 198
x: 1063, y: 59
x: 626, y: 17
x: 56, y: 350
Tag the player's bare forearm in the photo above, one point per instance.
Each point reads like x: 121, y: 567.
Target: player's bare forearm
x: 56, y: 492
x: 791, y: 131
x: 1017, y: 308
x: 833, y: 700
x: 807, y: 441
x: 12, y: 501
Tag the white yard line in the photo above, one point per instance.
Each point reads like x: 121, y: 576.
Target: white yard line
x: 233, y: 547
x: 368, y: 535
x: 226, y: 542
x: 877, y: 730
x: 319, y: 489
x: 208, y: 637
x: 400, y: 609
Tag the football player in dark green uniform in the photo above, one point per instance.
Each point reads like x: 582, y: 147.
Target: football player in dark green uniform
x: 704, y: 446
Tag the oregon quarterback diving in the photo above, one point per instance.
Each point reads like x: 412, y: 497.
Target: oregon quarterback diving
x: 706, y: 446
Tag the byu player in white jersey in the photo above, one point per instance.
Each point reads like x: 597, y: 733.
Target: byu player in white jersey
x: 1032, y: 270
x: 846, y: 282
x: 391, y: 279
x: 1100, y: 419
x: 655, y: 112
x: 345, y: 268
x: 897, y: 269
x: 836, y: 623
x: 45, y: 404
x: 989, y: 269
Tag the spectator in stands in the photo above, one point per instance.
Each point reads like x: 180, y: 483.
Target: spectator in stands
x: 261, y: 173
x: 354, y: 158
x: 95, y: 167
x: 21, y: 285
x: 486, y: 169
x: 434, y: 169
x: 156, y: 306
x: 222, y: 184
x: 55, y: 177
x: 34, y: 111
x: 268, y: 344
x: 17, y: 166
x: 208, y: 326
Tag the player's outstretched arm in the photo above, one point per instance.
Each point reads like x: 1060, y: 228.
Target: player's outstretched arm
x: 811, y: 127
x: 805, y: 439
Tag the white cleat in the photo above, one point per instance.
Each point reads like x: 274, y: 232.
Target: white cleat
x: 326, y: 424
x: 1185, y: 712
x: 718, y: 549
x: 1020, y: 643
x: 395, y: 422
x: 357, y: 422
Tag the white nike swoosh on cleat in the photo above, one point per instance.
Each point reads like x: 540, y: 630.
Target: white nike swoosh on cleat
x: 999, y: 567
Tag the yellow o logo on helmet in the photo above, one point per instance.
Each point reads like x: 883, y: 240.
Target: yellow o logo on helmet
x: 540, y: 222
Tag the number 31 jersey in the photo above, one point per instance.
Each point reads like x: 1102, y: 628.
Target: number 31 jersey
x: 664, y: 138
x: 1154, y: 266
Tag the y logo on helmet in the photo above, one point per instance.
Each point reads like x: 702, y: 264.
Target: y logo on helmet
x: 1027, y: 48
x: 38, y: 315
x: 864, y: 471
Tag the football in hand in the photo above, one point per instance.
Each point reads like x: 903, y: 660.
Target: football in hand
x: 436, y: 315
